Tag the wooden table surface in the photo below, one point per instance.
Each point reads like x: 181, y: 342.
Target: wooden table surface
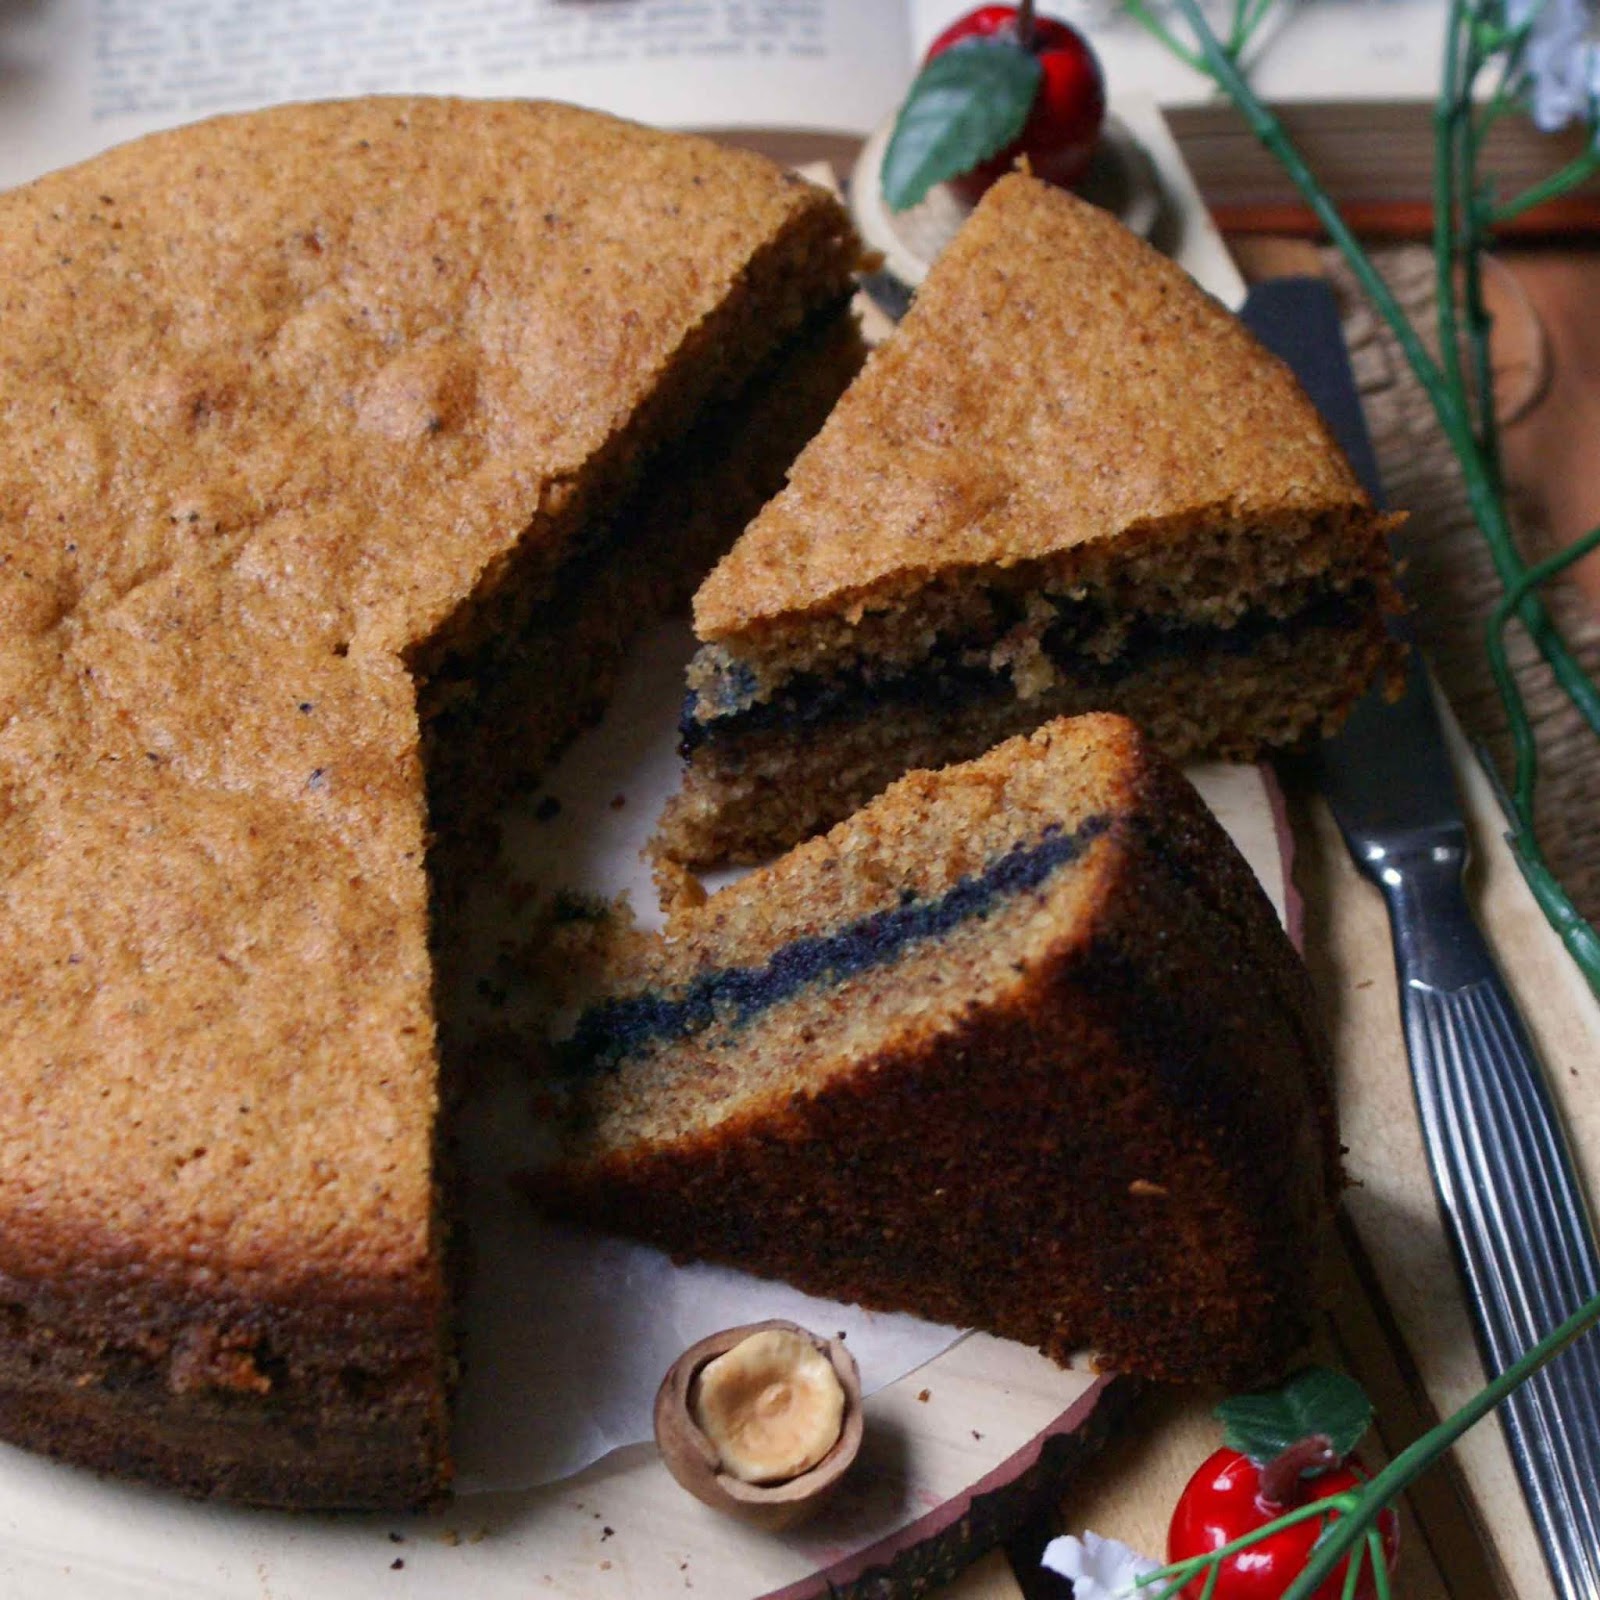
x: 1547, y: 307
x: 1553, y: 454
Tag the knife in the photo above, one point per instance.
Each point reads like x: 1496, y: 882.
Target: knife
x: 1504, y: 1177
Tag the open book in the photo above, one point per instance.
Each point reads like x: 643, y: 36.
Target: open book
x: 76, y: 75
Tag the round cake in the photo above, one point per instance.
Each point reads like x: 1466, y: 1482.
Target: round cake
x: 344, y: 444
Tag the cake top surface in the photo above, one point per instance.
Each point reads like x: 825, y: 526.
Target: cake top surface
x: 281, y: 392
x: 1056, y: 382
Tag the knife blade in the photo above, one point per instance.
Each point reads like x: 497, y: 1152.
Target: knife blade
x: 1507, y: 1188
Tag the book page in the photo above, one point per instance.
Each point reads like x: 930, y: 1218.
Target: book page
x: 78, y: 75
x: 1329, y: 50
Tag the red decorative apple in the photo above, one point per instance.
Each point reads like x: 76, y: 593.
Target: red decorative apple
x: 997, y: 86
x: 1286, y: 1451
x: 1069, y: 106
x: 1225, y: 1500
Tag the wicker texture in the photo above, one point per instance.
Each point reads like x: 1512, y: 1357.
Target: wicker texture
x: 1452, y: 581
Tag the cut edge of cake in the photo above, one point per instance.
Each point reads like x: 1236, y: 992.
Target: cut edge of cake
x: 1020, y: 1046
x: 1070, y: 480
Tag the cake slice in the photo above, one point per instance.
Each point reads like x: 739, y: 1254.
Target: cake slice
x: 1021, y: 1046
x: 1069, y: 481
x: 344, y: 445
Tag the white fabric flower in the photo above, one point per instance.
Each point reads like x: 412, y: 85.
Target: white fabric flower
x: 1100, y: 1569
x: 1561, y: 60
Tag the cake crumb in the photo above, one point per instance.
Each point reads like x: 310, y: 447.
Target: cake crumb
x: 1143, y: 1186
x: 397, y: 1563
x: 676, y: 886
x: 579, y: 943
x: 925, y: 1396
x: 492, y: 993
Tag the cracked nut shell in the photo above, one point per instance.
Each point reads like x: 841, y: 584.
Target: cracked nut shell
x: 692, y: 1458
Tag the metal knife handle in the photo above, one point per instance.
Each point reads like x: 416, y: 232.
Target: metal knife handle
x: 1509, y: 1194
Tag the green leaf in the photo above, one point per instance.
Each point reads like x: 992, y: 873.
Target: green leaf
x: 1314, y: 1400
x: 967, y: 104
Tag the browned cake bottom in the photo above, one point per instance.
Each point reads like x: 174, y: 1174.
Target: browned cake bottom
x: 1091, y: 1111
x: 744, y: 796
x: 227, y: 1397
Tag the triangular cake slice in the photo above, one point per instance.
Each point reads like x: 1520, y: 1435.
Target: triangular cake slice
x: 1070, y: 480
x: 1021, y: 1046
x: 344, y: 444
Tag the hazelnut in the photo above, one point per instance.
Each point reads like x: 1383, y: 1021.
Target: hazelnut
x: 761, y: 1421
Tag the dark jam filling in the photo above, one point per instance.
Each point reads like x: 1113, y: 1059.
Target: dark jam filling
x: 733, y: 996
x: 944, y: 680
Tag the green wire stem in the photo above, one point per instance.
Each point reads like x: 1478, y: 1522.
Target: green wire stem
x: 1352, y: 1574
x: 1211, y: 1560
x: 1495, y: 647
x: 1462, y: 222
x: 1158, y: 30
x: 1579, y: 169
x: 1236, y: 32
x: 1380, y: 1567
x: 1580, y: 939
x: 1417, y: 1457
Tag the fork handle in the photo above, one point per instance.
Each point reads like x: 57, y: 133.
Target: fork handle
x: 1509, y: 1194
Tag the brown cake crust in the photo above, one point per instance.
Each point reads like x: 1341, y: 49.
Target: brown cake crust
x: 1056, y: 384
x: 223, y: 1394
x: 1131, y: 1147
x: 290, y: 398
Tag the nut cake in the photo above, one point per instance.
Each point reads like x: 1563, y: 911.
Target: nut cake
x: 338, y: 436
x: 1020, y: 1046
x: 1069, y: 481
